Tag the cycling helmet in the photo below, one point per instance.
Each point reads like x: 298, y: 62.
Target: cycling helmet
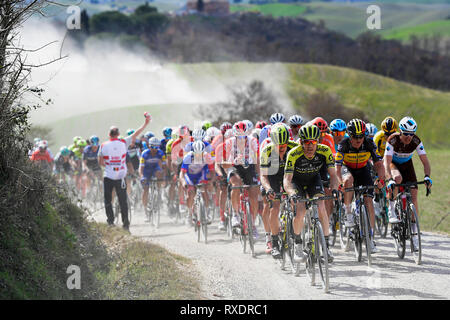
x: 212, y: 132
x: 338, y: 125
x: 175, y: 135
x: 371, y: 129
x: 389, y: 125
x: 249, y: 125
x: 198, y: 146
x: 94, y: 140
x: 130, y: 132
x: 277, y: 117
x: 296, y: 120
x: 321, y: 124
x: 279, y: 134
x: 36, y: 140
x: 206, y: 125
x: 183, y: 131
x: 228, y: 133
x: 149, y: 135
x: 64, y: 151
x: 167, y: 132
x: 408, y: 124
x: 75, y: 139
x: 42, y: 146
x: 256, y: 132
x: 154, y: 142
x: 356, y: 128
x: 199, y: 134
x: 225, y: 126
x: 240, y: 129
x: 261, y: 124
x: 309, y: 132
x: 82, y: 143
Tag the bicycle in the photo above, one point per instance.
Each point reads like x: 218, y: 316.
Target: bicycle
x: 229, y: 214
x: 360, y: 232
x: 199, y: 213
x: 335, y: 221
x: 402, y: 231
x: 245, y: 230
x: 313, y: 242
x: 286, y: 233
x: 153, y: 208
x: 381, y: 219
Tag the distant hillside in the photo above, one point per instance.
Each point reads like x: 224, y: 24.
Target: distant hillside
x: 439, y: 27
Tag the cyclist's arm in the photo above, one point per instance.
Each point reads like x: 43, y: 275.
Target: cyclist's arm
x: 426, y: 164
x: 138, y: 131
x: 333, y: 178
x: 287, y: 183
x: 265, y: 179
x: 379, y: 167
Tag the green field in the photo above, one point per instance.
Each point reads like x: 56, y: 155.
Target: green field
x: 274, y: 9
x: 439, y: 27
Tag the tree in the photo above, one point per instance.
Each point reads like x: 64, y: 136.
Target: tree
x: 144, y: 9
x: 253, y: 102
x: 110, y: 21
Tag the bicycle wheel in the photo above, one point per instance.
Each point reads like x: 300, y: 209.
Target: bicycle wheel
x: 366, y: 234
x: 157, y: 207
x: 308, y: 248
x: 333, y: 228
x: 399, y: 234
x: 412, y: 215
x: 343, y: 232
x: 321, y: 255
x: 251, y: 241
x: 243, y: 232
x: 282, y: 243
x: 203, y: 223
x: 228, y: 216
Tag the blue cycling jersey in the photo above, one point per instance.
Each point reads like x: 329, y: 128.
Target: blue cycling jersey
x: 151, y: 162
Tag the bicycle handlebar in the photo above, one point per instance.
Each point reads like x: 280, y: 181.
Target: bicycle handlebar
x: 360, y: 188
x: 246, y: 186
x: 411, y: 184
x: 297, y: 198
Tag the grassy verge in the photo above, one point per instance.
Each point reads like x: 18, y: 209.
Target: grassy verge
x: 274, y: 9
x: 441, y: 27
x: 141, y: 270
x: 435, y: 209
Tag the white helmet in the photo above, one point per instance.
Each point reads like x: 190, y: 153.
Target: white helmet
x: 198, y: 146
x: 199, y: 134
x: 154, y: 142
x: 249, y: 125
x: 277, y: 117
x: 228, y: 133
x: 213, y: 132
x: 408, y: 124
x: 296, y: 120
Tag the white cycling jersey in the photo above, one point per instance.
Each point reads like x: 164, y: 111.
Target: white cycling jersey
x: 114, y: 153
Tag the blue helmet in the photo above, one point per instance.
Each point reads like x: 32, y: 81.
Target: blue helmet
x: 94, y: 140
x: 338, y: 125
x: 149, y: 135
x: 167, y: 132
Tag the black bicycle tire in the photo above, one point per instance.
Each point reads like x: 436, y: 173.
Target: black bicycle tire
x: 321, y: 251
x: 418, y: 259
x: 367, y: 239
x: 399, y: 237
x: 251, y: 241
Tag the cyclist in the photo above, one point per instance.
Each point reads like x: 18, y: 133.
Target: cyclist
x: 63, y: 163
x: 171, y: 172
x: 90, y: 165
x: 167, y: 133
x: 338, y: 129
x: 274, y: 118
x: 273, y: 160
x: 371, y: 130
x: 302, y: 177
x: 351, y: 167
x: 295, y: 123
x: 151, y: 164
x: 242, y: 166
x: 388, y: 127
x: 78, y: 159
x: 260, y: 124
x: 399, y: 165
x: 195, y: 169
x: 206, y: 125
x: 42, y: 157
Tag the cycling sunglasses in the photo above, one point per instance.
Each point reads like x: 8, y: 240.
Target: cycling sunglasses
x: 296, y: 126
x: 358, y: 137
x: 338, y: 133
x: 154, y: 147
x: 408, y: 134
x: 309, y: 142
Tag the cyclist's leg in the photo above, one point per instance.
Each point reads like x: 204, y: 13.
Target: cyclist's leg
x: 348, y: 183
x: 364, y: 178
x: 235, y: 181
x: 300, y: 211
x: 315, y: 189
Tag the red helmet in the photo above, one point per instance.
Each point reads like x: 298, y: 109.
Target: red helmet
x: 240, y: 128
x: 225, y: 126
x: 261, y: 124
x: 321, y: 123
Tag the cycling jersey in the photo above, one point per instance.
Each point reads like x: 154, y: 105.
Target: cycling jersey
x: 380, y: 141
x: 196, y: 168
x: 177, y: 153
x: 356, y: 158
x: 274, y: 164
x: 264, y: 134
x: 114, y: 152
x: 169, y: 147
x: 242, y: 151
x: 134, y: 150
x: 91, y: 157
x: 38, y: 156
x: 150, y: 162
x: 163, y: 144
x: 400, y: 152
x: 329, y: 141
x: 60, y: 164
x: 307, y: 169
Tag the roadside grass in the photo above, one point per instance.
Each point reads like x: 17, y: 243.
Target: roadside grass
x: 141, y: 270
x: 274, y: 9
x: 434, y: 210
x: 439, y: 27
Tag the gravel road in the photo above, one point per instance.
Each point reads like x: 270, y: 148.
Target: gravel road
x: 227, y: 273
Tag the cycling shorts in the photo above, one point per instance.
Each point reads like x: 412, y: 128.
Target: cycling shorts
x: 248, y: 174
x: 361, y: 177
x: 309, y: 188
x: 406, y: 170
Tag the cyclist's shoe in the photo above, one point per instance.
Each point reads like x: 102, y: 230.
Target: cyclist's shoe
x: 268, y: 246
x: 299, y: 255
x: 415, y: 239
x: 349, y: 221
x: 330, y: 256
x: 373, y: 247
x: 393, y: 217
x: 236, y: 221
x: 276, y: 254
x: 222, y: 226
